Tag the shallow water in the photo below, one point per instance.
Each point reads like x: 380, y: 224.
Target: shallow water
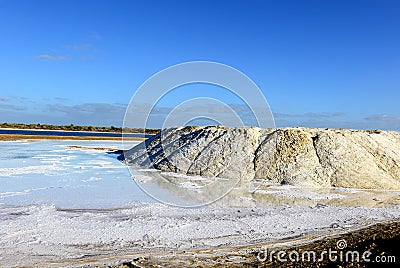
x: 67, y: 174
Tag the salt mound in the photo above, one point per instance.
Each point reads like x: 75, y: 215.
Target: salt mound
x: 297, y: 156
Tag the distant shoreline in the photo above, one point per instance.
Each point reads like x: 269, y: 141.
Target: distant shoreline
x: 14, y: 137
x: 71, y: 127
x: 60, y: 130
x: 17, y: 134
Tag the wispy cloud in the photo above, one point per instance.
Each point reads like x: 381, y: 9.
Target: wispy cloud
x: 21, y: 98
x: 79, y: 47
x: 49, y: 57
x: 61, y: 99
x: 4, y: 106
x: 101, y: 114
x: 90, y: 113
x: 94, y: 108
x: 308, y: 115
x: 286, y: 115
x: 83, y: 50
x: 324, y: 115
x: 3, y: 99
x: 385, y: 121
x: 383, y: 118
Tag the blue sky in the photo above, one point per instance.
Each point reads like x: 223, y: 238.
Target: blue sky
x: 319, y: 63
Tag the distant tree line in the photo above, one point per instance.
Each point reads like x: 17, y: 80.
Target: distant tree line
x: 72, y: 127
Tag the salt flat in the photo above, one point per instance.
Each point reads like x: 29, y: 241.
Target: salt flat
x: 42, y: 235
x: 64, y: 202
